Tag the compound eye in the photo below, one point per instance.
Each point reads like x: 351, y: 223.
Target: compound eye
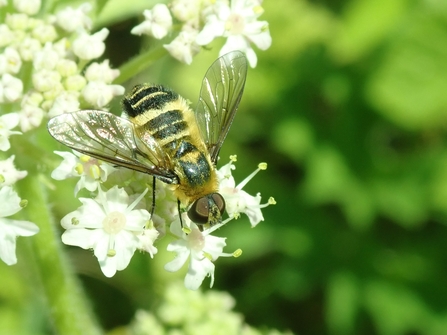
x: 219, y: 201
x: 199, y: 211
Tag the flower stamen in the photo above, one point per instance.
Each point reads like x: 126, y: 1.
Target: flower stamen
x: 261, y: 166
x: 137, y: 200
x: 84, y: 158
x: 94, y: 172
x: 79, y: 168
x: 111, y: 253
x: 208, y: 256
x: 237, y: 253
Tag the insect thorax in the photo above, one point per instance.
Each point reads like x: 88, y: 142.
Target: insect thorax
x: 166, y: 116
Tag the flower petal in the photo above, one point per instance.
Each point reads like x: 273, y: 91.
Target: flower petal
x: 10, y: 120
x: 78, y: 237
x: 212, y: 29
x: 262, y: 40
x: 8, y: 248
x: 136, y: 220
x: 22, y: 228
x: 197, y: 272
x: 125, y: 244
x: 89, y: 215
x: 108, y: 266
x: 179, y: 260
x: 9, y: 201
x: 114, y: 200
x: 214, y: 246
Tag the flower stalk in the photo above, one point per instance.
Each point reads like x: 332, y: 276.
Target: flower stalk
x: 70, y: 310
x: 139, y: 63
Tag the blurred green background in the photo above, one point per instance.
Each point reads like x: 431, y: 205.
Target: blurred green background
x: 348, y: 108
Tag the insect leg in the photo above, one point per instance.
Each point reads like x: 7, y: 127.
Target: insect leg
x: 153, y: 196
x: 179, y: 213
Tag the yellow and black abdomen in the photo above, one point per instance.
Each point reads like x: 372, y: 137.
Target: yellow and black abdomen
x: 167, y: 117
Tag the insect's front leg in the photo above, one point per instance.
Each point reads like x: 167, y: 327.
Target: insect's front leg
x: 153, y: 195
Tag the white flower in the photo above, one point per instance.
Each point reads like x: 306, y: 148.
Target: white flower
x: 46, y: 58
x: 11, y: 88
x: 44, y: 33
x: 90, y: 170
x: 7, y: 122
x: 65, y: 102
x: 236, y: 199
x: 17, y: 21
x: 28, y: 48
x: 62, y: 48
x: 157, y: 22
x: 75, y: 82
x: 6, y: 35
x: 238, y: 23
x: 66, y: 67
x: 71, y: 19
x: 10, y: 229
x: 184, y: 46
x: 109, y: 225
x: 147, y: 239
x: 101, y: 72
x: 46, y: 80
x: 186, y: 10
x: 99, y: 94
x: 29, y: 7
x: 8, y: 172
x: 10, y: 61
x: 52, y: 93
x: 32, y: 98
x: 88, y: 47
x: 30, y: 117
x: 202, y: 249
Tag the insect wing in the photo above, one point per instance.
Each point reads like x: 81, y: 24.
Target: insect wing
x: 112, y: 139
x: 219, y: 98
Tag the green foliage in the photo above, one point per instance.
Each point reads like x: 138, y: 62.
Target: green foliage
x: 350, y: 108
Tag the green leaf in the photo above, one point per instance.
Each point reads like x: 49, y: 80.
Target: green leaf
x: 343, y: 300
x: 409, y: 86
x: 363, y: 26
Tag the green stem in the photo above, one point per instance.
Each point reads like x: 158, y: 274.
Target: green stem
x: 69, y: 308
x: 139, y: 63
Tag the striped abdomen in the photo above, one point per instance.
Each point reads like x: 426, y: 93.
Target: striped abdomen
x: 167, y: 117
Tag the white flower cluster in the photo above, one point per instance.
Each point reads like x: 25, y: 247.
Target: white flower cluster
x: 117, y: 221
x: 43, y: 61
x: 10, y: 202
x: 203, y: 21
x: 43, y: 72
x: 212, y: 314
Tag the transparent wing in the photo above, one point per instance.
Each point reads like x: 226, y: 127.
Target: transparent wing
x: 219, y: 98
x: 112, y: 139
